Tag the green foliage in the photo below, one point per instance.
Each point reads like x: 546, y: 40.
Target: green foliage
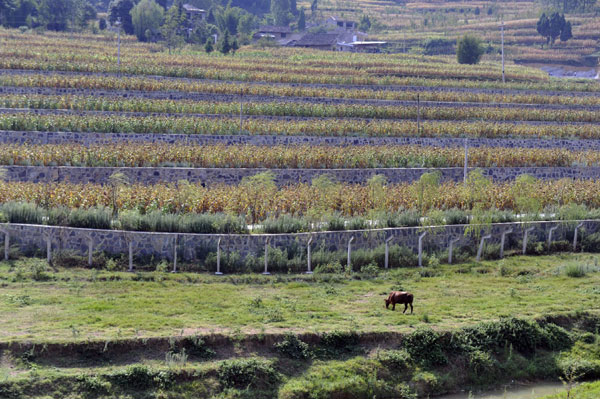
x: 339, y: 340
x: 146, y: 16
x: 121, y: 9
x: 397, y: 360
x: 425, y: 346
x: 469, y: 50
x: 141, y: 377
x: 553, y: 27
x: 208, y: 46
x: 334, y: 268
x: 575, y: 271
x: 247, y: 373
x: 292, y: 347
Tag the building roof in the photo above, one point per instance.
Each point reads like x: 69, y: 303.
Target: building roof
x: 341, y: 20
x: 191, y: 8
x: 274, y: 29
x: 318, y: 39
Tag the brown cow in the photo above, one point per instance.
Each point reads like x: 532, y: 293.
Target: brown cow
x: 399, y: 297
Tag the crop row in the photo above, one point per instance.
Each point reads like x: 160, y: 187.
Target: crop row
x: 250, y: 156
x: 146, y: 84
x: 88, y: 103
x: 259, y: 126
x: 258, y: 199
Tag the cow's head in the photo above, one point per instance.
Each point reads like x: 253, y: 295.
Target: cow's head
x: 387, y: 303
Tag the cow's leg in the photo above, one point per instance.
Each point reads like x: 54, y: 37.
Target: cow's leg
x: 411, y: 308
x: 394, y: 306
x: 405, y: 307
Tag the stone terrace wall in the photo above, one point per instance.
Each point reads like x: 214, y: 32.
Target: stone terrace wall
x: 209, y: 176
x: 191, y: 246
x: 12, y: 137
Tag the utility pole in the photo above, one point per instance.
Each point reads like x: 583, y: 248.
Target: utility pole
x: 502, y: 35
x: 118, y: 24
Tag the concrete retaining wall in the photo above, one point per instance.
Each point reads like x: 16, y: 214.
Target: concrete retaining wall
x: 12, y: 137
x: 192, y: 247
x: 210, y: 176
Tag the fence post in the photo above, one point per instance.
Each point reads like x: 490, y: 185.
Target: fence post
x: 575, y: 236
x: 175, y: 253
x: 421, y: 236
x: 504, y: 233
x: 90, y: 249
x: 48, y: 237
x: 6, y: 243
x: 266, y: 256
x: 348, y: 262
x: 451, y: 248
x: 480, y: 250
x: 387, y: 251
x: 525, y: 239
x: 309, y: 271
x: 130, y: 247
x: 218, y: 272
x: 550, y: 236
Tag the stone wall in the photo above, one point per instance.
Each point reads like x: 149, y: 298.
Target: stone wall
x: 192, y: 247
x: 210, y: 176
x: 14, y: 137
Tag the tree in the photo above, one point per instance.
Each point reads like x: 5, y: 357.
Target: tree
x: 121, y: 9
x: 301, y: 20
x: 171, y: 29
x: 469, y: 50
x: 208, y: 46
x: 102, y: 24
x: 365, y: 23
x: 554, y: 27
x: 526, y: 203
x: 293, y: 7
x: 256, y: 186
x: 116, y: 181
x: 426, y: 190
x: 58, y: 14
x: 566, y: 33
x: 6, y: 7
x: 146, y: 16
x: 313, y: 8
x: 280, y: 12
x: 224, y: 45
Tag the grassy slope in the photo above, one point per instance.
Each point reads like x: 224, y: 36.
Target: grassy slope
x: 78, y: 304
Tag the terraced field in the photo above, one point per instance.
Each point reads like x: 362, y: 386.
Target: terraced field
x: 188, y: 161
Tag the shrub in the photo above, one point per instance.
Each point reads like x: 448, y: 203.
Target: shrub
x: 333, y: 267
x: 469, y: 50
x: 481, y: 363
x: 292, y: 347
x: 285, y: 224
x: 136, y: 377
x: 246, y: 373
x: 397, y: 360
x: 196, y: 346
x: 575, y: 271
x: 339, y: 340
x: 425, y: 347
x: 370, y: 270
x: 16, y: 212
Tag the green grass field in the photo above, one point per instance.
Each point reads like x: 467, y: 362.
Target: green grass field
x: 77, y: 304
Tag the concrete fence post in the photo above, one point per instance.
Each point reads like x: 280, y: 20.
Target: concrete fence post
x: 6, y: 243
x: 575, y: 236
x: 90, y: 242
x: 451, y: 248
x: 130, y: 248
x: 481, y: 244
x: 387, y: 251
x: 175, y: 239
x: 525, y: 236
x: 218, y: 272
x: 308, y: 258
x: 348, y: 262
x: 421, y: 236
x: 48, y: 238
x: 266, y: 272
x: 503, y: 240
x: 549, y: 241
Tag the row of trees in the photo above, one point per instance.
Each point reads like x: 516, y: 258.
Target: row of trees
x: 51, y: 14
x: 553, y: 27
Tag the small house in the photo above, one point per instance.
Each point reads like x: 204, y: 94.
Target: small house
x: 273, y: 32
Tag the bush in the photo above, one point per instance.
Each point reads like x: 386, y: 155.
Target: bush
x: 196, y: 346
x: 398, y: 360
x: 339, y: 340
x: 469, y: 50
x: 137, y: 377
x: 246, y: 373
x: 333, y: 268
x: 285, y: 224
x: 575, y: 271
x: 22, y: 212
x: 370, y: 270
x: 425, y: 347
x: 293, y: 347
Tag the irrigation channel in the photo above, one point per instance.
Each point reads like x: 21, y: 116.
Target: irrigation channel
x: 529, y: 391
